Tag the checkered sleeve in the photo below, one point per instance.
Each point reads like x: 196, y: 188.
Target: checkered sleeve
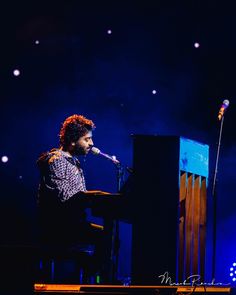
x: 65, y: 179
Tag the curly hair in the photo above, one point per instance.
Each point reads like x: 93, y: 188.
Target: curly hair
x: 73, y: 128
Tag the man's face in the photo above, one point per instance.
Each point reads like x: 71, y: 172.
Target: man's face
x: 83, y: 144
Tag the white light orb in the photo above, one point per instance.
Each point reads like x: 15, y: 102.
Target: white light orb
x: 4, y: 159
x: 16, y: 72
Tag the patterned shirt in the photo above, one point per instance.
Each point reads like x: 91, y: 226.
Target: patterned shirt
x: 61, y: 175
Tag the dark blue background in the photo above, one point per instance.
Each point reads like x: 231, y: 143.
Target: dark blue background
x: 78, y: 67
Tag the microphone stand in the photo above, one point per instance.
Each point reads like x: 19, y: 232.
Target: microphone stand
x: 214, y: 195
x: 116, y: 239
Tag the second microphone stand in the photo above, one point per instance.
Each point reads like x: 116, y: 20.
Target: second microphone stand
x: 214, y: 196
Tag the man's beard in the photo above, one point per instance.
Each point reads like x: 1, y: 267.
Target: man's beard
x: 79, y: 151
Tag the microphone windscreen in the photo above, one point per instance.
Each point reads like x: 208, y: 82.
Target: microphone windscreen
x: 226, y: 102
x: 95, y: 150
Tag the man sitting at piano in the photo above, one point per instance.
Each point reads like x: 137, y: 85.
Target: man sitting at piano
x: 60, y: 195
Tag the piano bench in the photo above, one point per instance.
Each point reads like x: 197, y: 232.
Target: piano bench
x: 66, y: 265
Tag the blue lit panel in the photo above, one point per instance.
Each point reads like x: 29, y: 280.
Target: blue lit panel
x: 194, y: 157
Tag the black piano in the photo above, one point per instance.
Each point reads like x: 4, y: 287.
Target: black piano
x: 149, y: 200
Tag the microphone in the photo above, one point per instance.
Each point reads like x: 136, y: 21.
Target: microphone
x: 96, y: 151
x: 223, y: 108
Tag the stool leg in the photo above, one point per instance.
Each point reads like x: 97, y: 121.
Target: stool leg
x: 39, y: 270
x: 81, y: 275
x: 52, y: 270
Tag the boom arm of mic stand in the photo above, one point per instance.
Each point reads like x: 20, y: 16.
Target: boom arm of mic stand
x: 217, y: 158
